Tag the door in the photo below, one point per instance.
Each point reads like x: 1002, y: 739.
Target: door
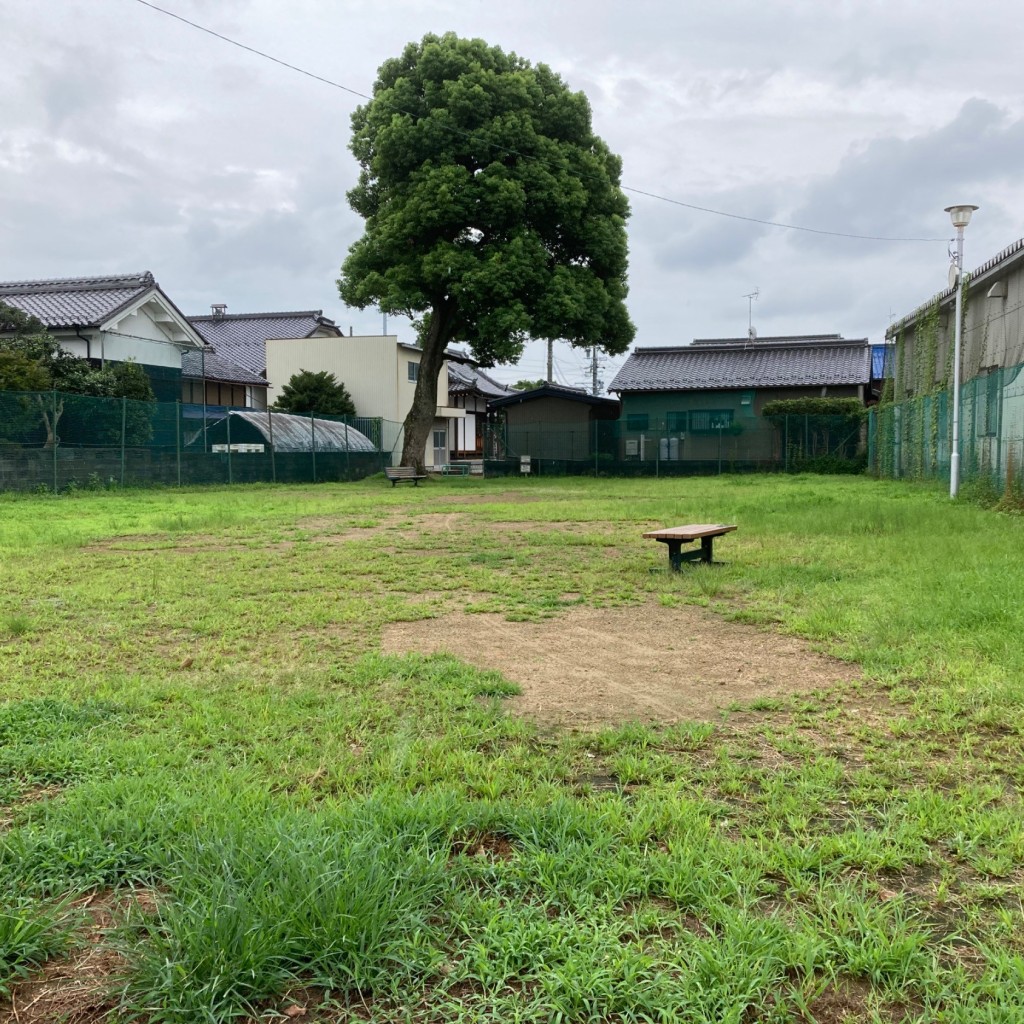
x: 440, y: 448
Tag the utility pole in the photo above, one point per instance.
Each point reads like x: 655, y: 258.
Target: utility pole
x: 551, y: 360
x: 595, y: 384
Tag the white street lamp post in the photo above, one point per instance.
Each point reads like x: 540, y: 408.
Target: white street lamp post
x: 961, y: 217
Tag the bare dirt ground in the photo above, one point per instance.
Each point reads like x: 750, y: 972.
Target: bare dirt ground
x: 594, y: 667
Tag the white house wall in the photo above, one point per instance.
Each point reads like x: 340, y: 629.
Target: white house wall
x: 374, y: 369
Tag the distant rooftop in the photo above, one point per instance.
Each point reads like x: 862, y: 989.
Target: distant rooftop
x: 552, y: 391
x: 463, y: 378
x: 241, y: 338
x: 718, y: 364
x: 213, y: 366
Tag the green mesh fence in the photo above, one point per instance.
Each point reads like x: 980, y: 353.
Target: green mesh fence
x: 55, y: 441
x: 670, y: 446
x: 913, y: 439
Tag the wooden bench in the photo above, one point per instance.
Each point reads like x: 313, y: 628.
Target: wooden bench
x: 676, y: 536
x: 455, y: 469
x: 396, y: 474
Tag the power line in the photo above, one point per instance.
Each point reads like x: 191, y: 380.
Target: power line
x: 525, y: 156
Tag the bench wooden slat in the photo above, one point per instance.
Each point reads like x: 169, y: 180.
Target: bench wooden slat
x: 695, y: 531
x: 396, y: 474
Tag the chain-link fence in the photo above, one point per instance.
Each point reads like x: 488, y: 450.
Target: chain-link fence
x: 681, y: 444
x: 913, y: 439
x: 55, y: 441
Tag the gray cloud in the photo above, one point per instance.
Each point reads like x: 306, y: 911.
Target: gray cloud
x: 129, y: 141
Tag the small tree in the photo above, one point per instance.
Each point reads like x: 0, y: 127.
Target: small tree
x: 310, y: 392
x: 529, y: 385
x: 30, y: 356
x: 493, y: 212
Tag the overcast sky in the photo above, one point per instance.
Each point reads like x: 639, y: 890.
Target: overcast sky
x: 129, y: 141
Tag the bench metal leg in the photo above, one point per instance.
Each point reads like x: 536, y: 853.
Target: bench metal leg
x: 677, y: 556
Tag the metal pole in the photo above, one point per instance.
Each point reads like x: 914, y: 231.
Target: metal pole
x: 719, y: 448
x: 954, y: 458
x: 231, y: 476
x: 177, y: 438
x: 312, y: 443
x: 348, y: 454
x: 273, y: 462
x: 53, y: 431
x: 124, y: 423
x: 202, y: 359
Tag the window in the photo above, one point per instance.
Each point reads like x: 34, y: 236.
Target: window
x: 637, y: 421
x: 675, y: 422
x: 987, y: 401
x: 710, y: 421
x: 414, y: 371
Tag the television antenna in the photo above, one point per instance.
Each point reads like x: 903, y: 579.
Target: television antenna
x: 751, y: 298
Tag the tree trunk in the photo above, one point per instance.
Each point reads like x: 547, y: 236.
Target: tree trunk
x: 51, y: 414
x: 420, y: 420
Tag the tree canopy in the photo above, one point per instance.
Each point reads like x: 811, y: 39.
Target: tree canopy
x: 493, y: 212
x: 529, y: 385
x: 315, y: 392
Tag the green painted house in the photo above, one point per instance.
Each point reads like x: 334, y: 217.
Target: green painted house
x: 703, y: 402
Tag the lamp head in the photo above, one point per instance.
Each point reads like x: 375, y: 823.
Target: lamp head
x: 960, y: 215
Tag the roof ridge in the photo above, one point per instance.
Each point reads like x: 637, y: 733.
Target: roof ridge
x: 769, y: 337
x: 104, y: 282
x: 317, y: 314
x: 761, y: 344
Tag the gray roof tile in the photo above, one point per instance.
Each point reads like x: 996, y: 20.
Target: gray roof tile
x: 216, y: 367
x: 463, y: 379
x: 241, y: 337
x: 741, y: 364
x: 76, y: 301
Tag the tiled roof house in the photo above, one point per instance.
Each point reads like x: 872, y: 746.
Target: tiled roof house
x: 235, y: 366
x: 698, y: 393
x: 112, y: 318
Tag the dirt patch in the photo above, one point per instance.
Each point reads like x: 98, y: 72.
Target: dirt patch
x: 849, y: 1001
x: 32, y: 795
x: 594, y: 667
x: 80, y: 988
x: 487, y: 845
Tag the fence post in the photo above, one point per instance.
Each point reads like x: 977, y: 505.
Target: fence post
x: 719, y: 447
x: 348, y: 453
x: 124, y: 423
x: 231, y: 476
x: 785, y: 450
x: 312, y: 442
x: 596, y: 463
x: 273, y: 458
x: 177, y: 437
x: 53, y: 431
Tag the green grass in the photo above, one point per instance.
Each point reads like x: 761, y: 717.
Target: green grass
x: 193, y: 705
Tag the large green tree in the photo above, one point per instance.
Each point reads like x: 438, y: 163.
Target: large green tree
x: 320, y: 392
x: 493, y: 212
